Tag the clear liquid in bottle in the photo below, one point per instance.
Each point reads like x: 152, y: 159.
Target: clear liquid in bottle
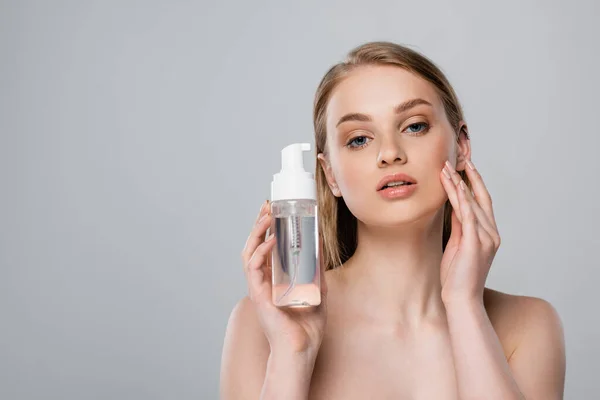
x: 295, y: 256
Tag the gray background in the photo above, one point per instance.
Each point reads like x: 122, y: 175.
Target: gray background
x: 138, y: 140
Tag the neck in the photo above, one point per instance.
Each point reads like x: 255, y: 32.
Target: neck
x: 394, y: 274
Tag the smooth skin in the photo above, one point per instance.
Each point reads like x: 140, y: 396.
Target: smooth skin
x: 400, y: 319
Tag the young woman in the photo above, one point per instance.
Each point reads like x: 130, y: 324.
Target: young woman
x: 404, y: 311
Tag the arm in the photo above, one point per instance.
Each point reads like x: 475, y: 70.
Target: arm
x: 537, y: 365
x: 481, y: 369
x: 250, y: 370
x: 288, y: 377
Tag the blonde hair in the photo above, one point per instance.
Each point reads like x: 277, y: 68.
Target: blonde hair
x: 337, y: 225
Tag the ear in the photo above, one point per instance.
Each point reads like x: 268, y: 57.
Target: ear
x: 463, y: 147
x: 325, y: 164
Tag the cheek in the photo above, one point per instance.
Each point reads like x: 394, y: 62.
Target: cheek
x: 354, y: 182
x: 350, y: 174
x: 439, y: 151
x: 432, y: 162
x: 443, y: 148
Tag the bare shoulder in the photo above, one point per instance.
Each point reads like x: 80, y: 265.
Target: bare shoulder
x: 245, y: 352
x: 244, y: 326
x: 517, y: 318
x: 532, y: 335
x: 515, y: 310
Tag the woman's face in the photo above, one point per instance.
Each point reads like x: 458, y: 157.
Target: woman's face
x: 383, y: 140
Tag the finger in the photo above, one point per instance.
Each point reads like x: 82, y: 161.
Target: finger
x: 258, y: 286
x: 454, y: 176
x: 456, y: 231
x: 257, y: 236
x: 245, y: 252
x: 479, y: 212
x: 482, y: 217
x: 454, y: 239
x: 485, y: 219
x: 481, y: 194
x: 451, y: 190
x: 469, y: 219
x: 263, y: 209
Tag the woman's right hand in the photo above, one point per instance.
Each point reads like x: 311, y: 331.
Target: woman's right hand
x: 295, y: 330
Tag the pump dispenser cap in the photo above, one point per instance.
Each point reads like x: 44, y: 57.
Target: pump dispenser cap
x: 293, y: 182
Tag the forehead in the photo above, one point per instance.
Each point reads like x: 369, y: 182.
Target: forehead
x: 375, y: 90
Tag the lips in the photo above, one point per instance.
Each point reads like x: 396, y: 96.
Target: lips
x: 395, y: 178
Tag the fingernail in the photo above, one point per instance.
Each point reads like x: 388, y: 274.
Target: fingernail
x: 263, y: 217
x: 470, y: 164
x: 445, y: 171
x: 270, y: 236
x: 449, y: 166
x: 462, y: 185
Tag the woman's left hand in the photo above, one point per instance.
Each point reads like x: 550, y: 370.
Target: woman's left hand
x: 474, y: 240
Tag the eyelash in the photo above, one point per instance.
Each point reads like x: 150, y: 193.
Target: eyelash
x: 412, y: 134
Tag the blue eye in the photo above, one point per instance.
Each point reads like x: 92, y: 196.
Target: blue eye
x: 417, y: 124
x: 362, y: 141
x: 360, y: 145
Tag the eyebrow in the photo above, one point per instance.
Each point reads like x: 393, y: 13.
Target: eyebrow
x: 399, y: 109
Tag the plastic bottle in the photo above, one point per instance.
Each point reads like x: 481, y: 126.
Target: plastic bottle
x: 295, y: 256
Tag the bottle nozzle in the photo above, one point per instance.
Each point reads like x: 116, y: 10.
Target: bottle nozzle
x: 291, y: 156
x: 293, y: 181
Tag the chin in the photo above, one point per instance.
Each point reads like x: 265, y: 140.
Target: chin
x: 397, y: 213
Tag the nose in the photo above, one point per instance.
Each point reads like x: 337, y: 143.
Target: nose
x: 390, y: 152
